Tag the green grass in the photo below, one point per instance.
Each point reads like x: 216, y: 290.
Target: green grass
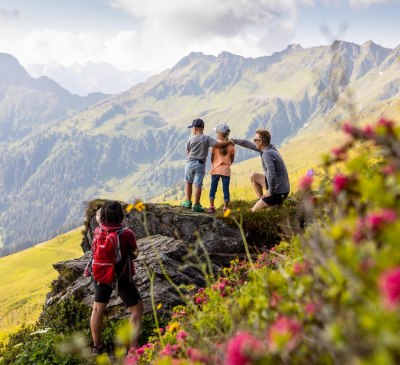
x: 26, y: 276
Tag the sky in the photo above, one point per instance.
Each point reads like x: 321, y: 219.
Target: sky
x: 153, y: 35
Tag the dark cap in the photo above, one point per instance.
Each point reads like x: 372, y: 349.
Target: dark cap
x: 198, y: 123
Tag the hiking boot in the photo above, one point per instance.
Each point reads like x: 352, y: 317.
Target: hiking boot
x: 198, y: 208
x: 186, y: 204
x: 100, y: 349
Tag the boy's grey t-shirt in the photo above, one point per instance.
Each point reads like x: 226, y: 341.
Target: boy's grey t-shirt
x: 197, y: 147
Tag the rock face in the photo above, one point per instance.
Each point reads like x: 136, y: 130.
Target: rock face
x: 176, y: 242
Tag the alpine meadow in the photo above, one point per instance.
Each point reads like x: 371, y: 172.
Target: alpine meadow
x: 211, y: 182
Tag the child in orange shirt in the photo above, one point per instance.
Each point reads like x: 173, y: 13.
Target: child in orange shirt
x: 221, y: 160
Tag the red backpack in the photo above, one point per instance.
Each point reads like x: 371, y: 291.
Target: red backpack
x: 106, y: 253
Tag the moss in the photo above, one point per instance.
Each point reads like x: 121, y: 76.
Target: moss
x: 266, y: 227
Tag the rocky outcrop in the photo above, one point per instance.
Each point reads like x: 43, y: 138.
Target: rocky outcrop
x: 176, y: 243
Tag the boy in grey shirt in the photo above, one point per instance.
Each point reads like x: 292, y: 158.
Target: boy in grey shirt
x: 275, y: 178
x: 197, y: 152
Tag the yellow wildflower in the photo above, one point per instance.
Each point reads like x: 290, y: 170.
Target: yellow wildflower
x: 227, y: 213
x: 172, y: 327
x: 159, y: 306
x: 139, y: 206
x: 129, y: 207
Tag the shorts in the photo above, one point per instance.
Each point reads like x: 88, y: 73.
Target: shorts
x: 127, y: 291
x: 276, y: 199
x: 194, y: 172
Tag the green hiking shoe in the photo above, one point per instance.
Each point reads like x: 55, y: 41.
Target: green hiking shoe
x: 198, y: 208
x: 186, y: 204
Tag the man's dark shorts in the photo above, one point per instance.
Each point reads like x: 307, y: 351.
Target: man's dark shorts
x: 276, y: 199
x: 127, y: 291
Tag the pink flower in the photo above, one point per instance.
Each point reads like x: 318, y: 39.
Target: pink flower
x: 348, y: 128
x: 305, y: 183
x: 242, y: 348
x: 299, y: 268
x: 339, y: 183
x: 310, y: 308
x: 339, y: 153
x: 285, y: 333
x: 387, y: 124
x: 181, y: 335
x: 194, y: 354
x: 389, y: 284
x: 375, y: 221
x: 389, y: 169
x: 169, y: 350
x: 368, y: 131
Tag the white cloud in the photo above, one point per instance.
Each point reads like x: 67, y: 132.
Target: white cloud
x: 165, y: 31
x: 171, y: 29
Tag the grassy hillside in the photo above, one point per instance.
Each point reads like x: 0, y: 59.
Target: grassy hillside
x: 25, y: 278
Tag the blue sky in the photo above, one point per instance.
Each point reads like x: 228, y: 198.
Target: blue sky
x: 155, y: 34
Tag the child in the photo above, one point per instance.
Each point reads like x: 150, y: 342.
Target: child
x: 197, y: 151
x: 221, y: 160
x: 110, y: 218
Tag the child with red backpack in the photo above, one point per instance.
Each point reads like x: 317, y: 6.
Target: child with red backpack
x: 114, y: 247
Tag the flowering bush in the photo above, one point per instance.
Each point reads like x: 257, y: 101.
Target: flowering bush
x: 329, y: 295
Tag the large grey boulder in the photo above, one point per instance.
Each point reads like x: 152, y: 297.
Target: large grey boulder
x: 176, y: 242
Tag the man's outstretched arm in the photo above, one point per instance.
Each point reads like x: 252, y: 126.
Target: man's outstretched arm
x: 244, y: 143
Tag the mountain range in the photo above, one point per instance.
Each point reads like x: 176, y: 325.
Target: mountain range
x: 132, y: 144
x: 89, y: 77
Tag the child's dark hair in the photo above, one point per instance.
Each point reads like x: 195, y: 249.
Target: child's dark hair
x: 112, y: 212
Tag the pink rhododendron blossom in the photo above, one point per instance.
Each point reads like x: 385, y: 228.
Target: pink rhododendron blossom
x: 375, y: 221
x: 169, y: 350
x: 370, y: 225
x: 389, y: 170
x: 389, y: 284
x: 305, y: 183
x: 285, y: 333
x: 194, y: 354
x: 348, y: 128
x: 310, y: 308
x: 181, y: 335
x: 387, y: 124
x: 299, y: 268
x: 242, y: 348
x: 339, y: 183
x: 368, y: 131
x: 339, y: 153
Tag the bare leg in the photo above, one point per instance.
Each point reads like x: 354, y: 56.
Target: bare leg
x: 261, y: 204
x: 258, y: 182
x: 211, y: 203
x: 189, y: 188
x: 197, y: 194
x: 136, y: 321
x: 96, y: 321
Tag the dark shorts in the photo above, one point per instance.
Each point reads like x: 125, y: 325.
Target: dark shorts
x: 127, y: 291
x: 276, y: 199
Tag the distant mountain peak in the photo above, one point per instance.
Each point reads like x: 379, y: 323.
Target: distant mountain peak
x: 11, y: 70
x: 293, y: 48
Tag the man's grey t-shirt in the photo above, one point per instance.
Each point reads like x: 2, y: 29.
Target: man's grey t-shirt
x: 273, y: 165
x: 197, y: 147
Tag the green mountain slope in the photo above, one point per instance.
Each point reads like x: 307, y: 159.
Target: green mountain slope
x: 25, y: 279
